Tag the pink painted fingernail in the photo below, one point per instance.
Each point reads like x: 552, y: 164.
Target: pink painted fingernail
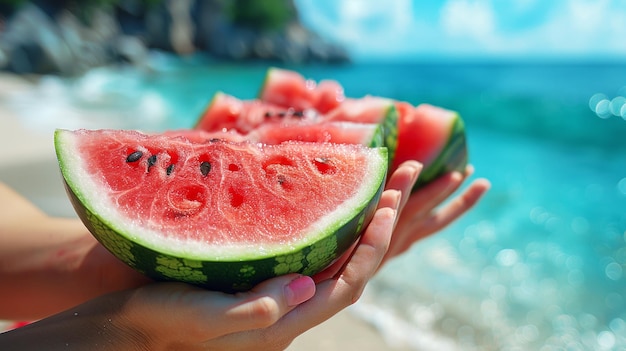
x: 299, y: 290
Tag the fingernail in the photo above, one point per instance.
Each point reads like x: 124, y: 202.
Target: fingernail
x: 417, y: 168
x: 456, y: 176
x: 397, y: 197
x: 299, y: 290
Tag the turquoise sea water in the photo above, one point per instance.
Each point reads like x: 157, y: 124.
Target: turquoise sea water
x: 540, y: 264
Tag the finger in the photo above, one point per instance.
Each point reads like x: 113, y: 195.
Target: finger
x: 427, y: 198
x: 412, y: 230
x: 416, y: 206
x: 459, y: 205
x: 269, y: 301
x: 403, y: 179
x: 433, y: 194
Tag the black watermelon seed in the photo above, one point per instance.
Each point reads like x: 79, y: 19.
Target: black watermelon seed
x: 215, y: 140
x: 169, y: 169
x: 282, y: 114
x: 281, y: 179
x: 298, y: 113
x: 151, y: 161
x: 268, y: 114
x: 205, y: 168
x: 134, y: 157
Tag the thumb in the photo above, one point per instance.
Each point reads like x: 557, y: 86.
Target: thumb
x: 205, y: 314
x: 266, y: 303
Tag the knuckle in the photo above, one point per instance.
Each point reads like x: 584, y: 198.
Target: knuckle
x: 355, y: 296
x: 266, y: 311
x: 353, y: 291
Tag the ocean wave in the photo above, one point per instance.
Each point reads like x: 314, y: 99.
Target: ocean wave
x: 102, y: 98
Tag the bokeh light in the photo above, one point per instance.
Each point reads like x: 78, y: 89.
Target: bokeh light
x: 605, y: 107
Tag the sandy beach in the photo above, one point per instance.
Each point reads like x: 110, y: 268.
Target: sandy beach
x: 29, y: 166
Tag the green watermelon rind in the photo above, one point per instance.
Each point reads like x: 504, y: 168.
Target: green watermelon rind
x: 390, y: 130
x: 378, y: 138
x: 223, y: 275
x: 453, y: 156
x: 265, y: 82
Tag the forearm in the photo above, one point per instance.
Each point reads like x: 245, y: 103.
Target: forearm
x: 42, y: 266
x: 49, y: 264
x: 95, y: 325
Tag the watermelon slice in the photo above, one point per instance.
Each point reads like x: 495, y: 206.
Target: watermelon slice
x: 288, y: 88
x: 221, y: 214
x: 432, y: 135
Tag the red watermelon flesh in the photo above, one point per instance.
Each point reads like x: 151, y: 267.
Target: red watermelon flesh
x: 288, y: 88
x: 228, y: 113
x: 433, y: 136
x: 328, y: 95
x: 422, y: 132
x: 202, y: 137
x: 215, y: 194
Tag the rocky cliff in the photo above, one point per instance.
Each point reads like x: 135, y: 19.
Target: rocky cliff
x: 69, y: 37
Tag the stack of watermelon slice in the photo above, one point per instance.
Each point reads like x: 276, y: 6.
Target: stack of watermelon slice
x: 284, y: 183
x: 290, y: 107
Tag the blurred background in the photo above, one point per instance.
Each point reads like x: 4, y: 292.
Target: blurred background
x: 538, y: 265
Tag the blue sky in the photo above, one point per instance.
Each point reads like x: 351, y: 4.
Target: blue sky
x: 546, y: 29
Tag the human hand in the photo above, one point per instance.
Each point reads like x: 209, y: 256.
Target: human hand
x: 162, y: 315
x: 178, y: 316
x: 343, y: 287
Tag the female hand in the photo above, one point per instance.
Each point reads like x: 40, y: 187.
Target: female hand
x: 341, y: 289
x: 163, y: 316
x: 177, y: 316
